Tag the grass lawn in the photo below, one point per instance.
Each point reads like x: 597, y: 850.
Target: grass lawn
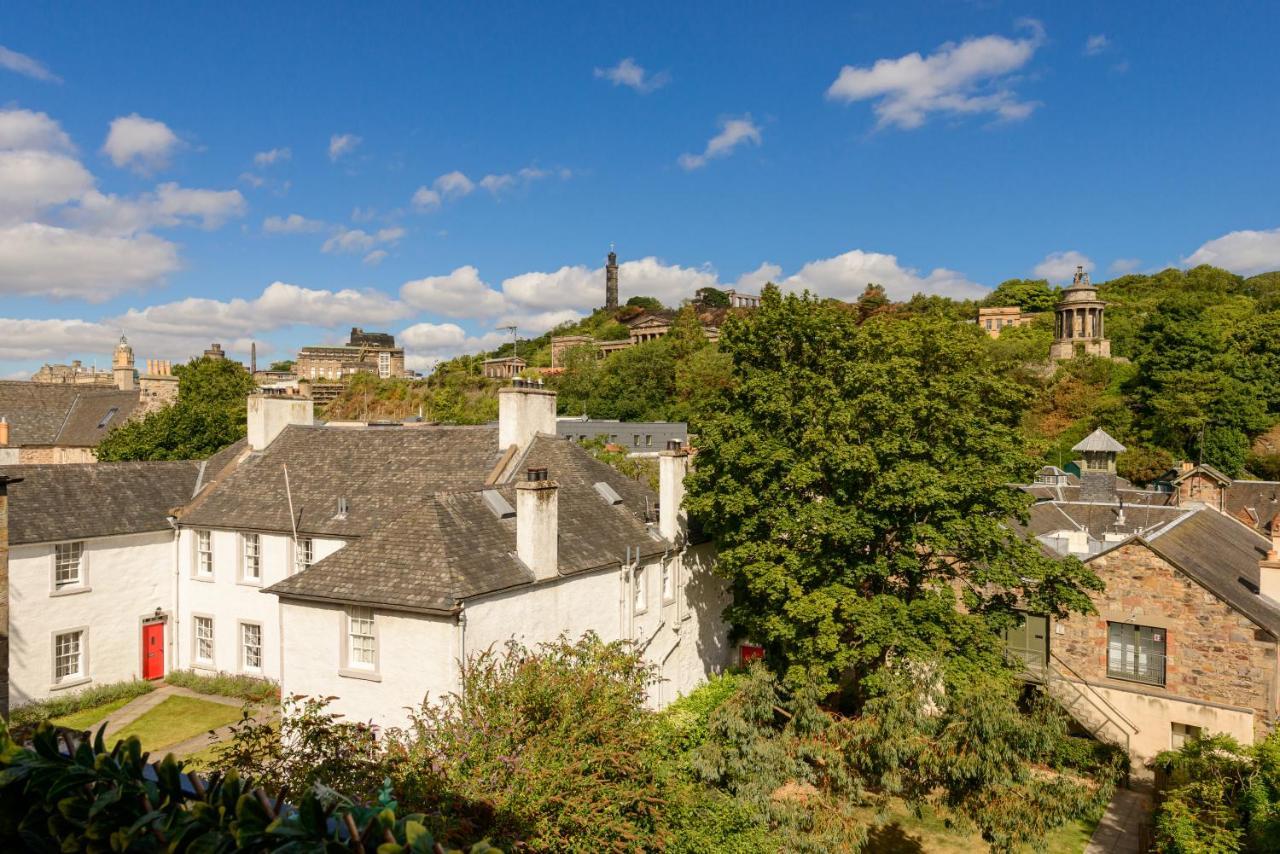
x: 177, y: 719
x: 903, y: 833
x: 90, y: 717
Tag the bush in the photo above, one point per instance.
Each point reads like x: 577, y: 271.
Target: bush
x: 237, y: 685
x: 27, y: 716
x: 684, y: 724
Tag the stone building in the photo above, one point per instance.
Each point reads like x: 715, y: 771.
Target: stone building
x: 1186, y: 634
x: 995, y: 319
x: 649, y: 326
x: 73, y: 374
x: 1078, y: 322
x: 364, y: 353
x: 42, y: 423
x: 505, y: 368
x: 636, y: 438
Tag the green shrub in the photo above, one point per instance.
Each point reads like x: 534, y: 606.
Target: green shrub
x: 25, y: 717
x: 222, y: 684
x: 682, y: 726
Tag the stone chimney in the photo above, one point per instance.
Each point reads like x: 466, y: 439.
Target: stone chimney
x: 525, y: 409
x: 4, y: 432
x: 1269, y: 566
x: 4, y: 592
x: 673, y: 465
x: 269, y: 414
x: 538, y: 524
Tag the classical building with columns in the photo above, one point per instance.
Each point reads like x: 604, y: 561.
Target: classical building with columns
x: 1079, y: 326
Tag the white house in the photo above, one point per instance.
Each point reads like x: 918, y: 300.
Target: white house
x: 91, y: 573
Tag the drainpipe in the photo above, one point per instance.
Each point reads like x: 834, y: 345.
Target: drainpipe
x: 462, y: 642
x: 177, y: 595
x: 5, y: 480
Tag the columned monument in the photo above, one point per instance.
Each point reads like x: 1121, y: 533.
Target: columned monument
x: 1079, y: 326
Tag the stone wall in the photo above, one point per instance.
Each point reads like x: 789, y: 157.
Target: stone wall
x: 1215, y: 655
x: 1199, y: 487
x: 50, y: 455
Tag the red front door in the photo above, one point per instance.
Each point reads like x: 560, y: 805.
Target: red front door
x: 153, y: 650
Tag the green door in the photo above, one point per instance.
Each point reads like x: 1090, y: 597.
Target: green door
x: 1029, y: 643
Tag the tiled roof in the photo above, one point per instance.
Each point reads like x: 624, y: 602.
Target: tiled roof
x: 1099, y: 440
x: 1255, y: 500
x: 451, y: 546
x: 56, y: 503
x: 65, y: 415
x: 1098, y: 519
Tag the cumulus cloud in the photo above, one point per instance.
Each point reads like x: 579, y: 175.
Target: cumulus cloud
x: 455, y: 185
x: 846, y: 276
x: 1096, y: 44
x: 351, y: 240
x: 169, y: 206
x: 631, y: 74
x: 22, y: 339
x: 341, y: 144
x: 971, y: 77
x: 733, y: 132
x: 291, y: 224
x: 1243, y: 252
x: 32, y: 181
x: 275, y: 155
x: 25, y: 129
x: 753, y: 281
x: 1061, y: 266
x: 142, y: 144
x: 461, y: 293
x: 44, y: 260
x: 27, y: 66
x: 375, y: 257
x: 1122, y: 266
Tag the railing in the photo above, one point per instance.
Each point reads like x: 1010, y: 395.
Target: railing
x: 1133, y: 665
x: 1032, y: 660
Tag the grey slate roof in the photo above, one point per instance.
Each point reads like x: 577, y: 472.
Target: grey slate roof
x: 1098, y: 519
x: 451, y: 546
x: 63, y: 415
x: 1256, y: 500
x: 1099, y: 440
x: 56, y: 503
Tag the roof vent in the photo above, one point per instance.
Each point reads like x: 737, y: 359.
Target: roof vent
x: 607, y: 492
x: 497, y: 504
x: 343, y: 506
x: 536, y: 474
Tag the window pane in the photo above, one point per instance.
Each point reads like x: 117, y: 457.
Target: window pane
x: 204, y: 638
x: 252, y: 561
x: 204, y: 552
x: 251, y: 646
x: 67, y: 656
x: 1136, y: 653
x: 67, y: 561
x: 361, y: 651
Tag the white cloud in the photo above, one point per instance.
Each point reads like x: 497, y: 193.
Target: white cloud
x: 25, y: 129
x: 1096, y: 44
x: 32, y: 181
x: 359, y: 214
x: 961, y: 79
x: 375, y: 257
x: 291, y: 224
x: 251, y: 179
x: 351, y: 240
x: 425, y: 198
x: 733, y: 132
x: 631, y: 74
x: 462, y: 293
x: 580, y: 289
x: 142, y: 144
x: 1243, y: 252
x: 428, y: 343
x: 846, y: 276
x: 341, y: 144
x: 169, y: 206
x: 22, y: 339
x: 453, y: 185
x: 275, y: 155
x: 57, y: 262
x: 26, y: 65
x: 753, y: 281
x: 1061, y: 266
x: 1122, y: 266
x: 497, y: 183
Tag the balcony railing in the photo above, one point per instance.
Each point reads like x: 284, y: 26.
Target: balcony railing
x: 1134, y: 665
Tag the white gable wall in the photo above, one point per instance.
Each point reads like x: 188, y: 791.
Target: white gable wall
x: 127, y: 578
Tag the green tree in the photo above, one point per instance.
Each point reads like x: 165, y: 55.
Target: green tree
x: 873, y: 300
x: 208, y: 415
x: 1030, y: 295
x: 282, y: 365
x: 855, y: 479
x: 709, y: 297
x: 647, y: 303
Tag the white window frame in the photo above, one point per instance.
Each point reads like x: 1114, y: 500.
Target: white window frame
x: 80, y: 583
x: 668, y: 582
x: 349, y: 666
x: 640, y: 590
x: 304, y: 553
x: 196, y: 660
x: 200, y: 553
x: 81, y: 675
x: 246, y: 561
x: 245, y: 666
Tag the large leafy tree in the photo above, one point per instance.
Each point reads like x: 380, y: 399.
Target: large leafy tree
x: 208, y: 415
x: 855, y: 478
x: 1028, y: 294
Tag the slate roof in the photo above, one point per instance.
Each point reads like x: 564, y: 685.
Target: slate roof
x: 451, y: 546
x: 56, y: 503
x: 1099, y: 440
x: 61, y: 415
x: 1255, y: 500
x: 378, y: 470
x: 1098, y: 519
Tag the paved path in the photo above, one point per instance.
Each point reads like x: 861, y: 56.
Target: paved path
x: 1117, y: 833
x: 135, y: 709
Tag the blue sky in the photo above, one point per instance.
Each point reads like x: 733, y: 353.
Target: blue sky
x: 184, y: 175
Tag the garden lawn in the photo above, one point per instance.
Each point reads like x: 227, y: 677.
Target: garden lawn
x: 904, y: 833
x: 87, y: 719
x: 177, y: 719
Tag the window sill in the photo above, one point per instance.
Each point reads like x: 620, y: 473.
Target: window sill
x: 206, y: 666
x: 207, y: 579
x: 70, y: 591
x: 248, y: 582
x: 367, y: 675
x: 1136, y: 680
x: 70, y: 683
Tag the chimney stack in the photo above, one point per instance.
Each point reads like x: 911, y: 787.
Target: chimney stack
x: 538, y: 523
x: 525, y: 409
x: 4, y: 432
x: 673, y: 465
x: 1269, y: 566
x: 269, y: 414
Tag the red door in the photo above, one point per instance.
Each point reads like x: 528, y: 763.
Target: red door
x: 153, y: 650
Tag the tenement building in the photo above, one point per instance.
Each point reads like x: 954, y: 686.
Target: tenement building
x: 995, y: 319
x: 364, y: 353
x: 1186, y: 634
x: 1078, y: 322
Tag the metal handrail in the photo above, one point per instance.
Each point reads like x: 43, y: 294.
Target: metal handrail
x: 1137, y: 666
x: 1082, y: 681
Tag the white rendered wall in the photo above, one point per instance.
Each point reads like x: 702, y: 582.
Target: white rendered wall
x: 416, y: 658
x: 128, y: 578
x: 231, y: 599
x: 270, y: 414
